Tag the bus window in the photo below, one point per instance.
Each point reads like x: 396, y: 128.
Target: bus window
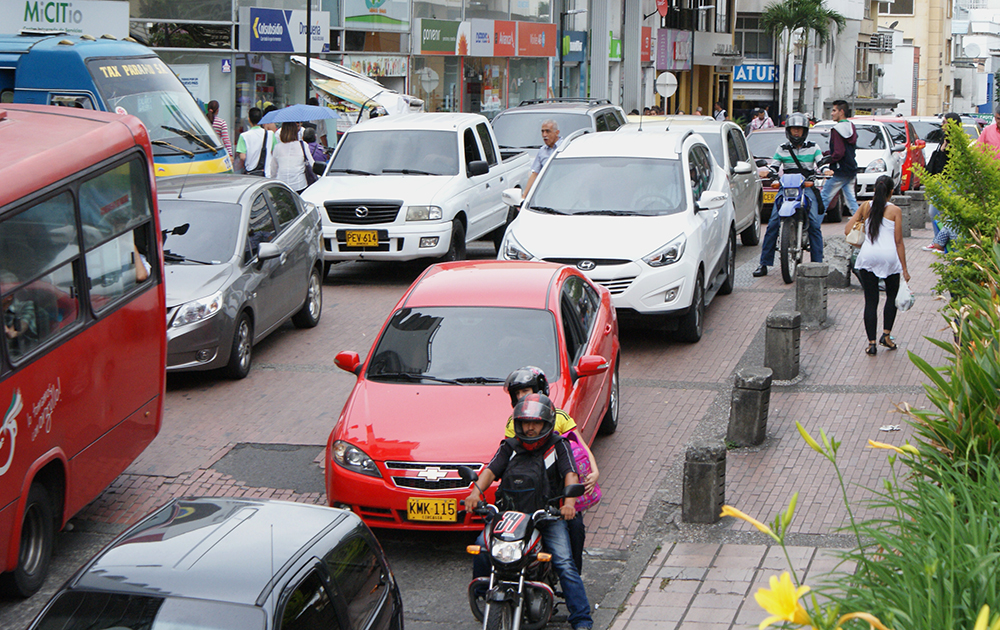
x: 70, y: 100
x: 115, y: 210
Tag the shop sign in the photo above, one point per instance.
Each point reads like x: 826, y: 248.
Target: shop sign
x: 645, y: 48
x: 481, y: 35
x: 283, y: 31
x: 536, y: 40
x: 377, y: 15
x: 574, y: 46
x: 78, y: 17
x: 439, y: 37
x: 614, y: 47
x: 673, y: 49
x: 663, y: 7
x: 504, y: 38
x: 754, y: 73
x: 377, y: 66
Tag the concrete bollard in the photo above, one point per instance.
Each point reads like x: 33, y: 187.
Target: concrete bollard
x: 810, y: 292
x: 838, y: 253
x: 918, y: 209
x: 704, y: 482
x: 748, y: 411
x: 904, y: 204
x: 781, y: 344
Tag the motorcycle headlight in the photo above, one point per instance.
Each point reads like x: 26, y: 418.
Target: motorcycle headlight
x: 506, y: 552
x: 668, y: 254
x: 876, y: 166
x: 197, y: 310
x: 423, y: 213
x: 512, y: 250
x: 353, y: 458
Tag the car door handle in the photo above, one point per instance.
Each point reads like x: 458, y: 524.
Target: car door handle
x: 487, y: 184
x: 607, y: 329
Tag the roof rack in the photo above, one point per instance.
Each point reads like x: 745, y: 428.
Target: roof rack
x: 566, y: 99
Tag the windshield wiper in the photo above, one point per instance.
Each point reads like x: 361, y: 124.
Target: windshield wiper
x: 480, y: 379
x: 545, y: 210
x: 349, y: 171
x: 414, y: 377
x: 164, y: 143
x: 169, y: 256
x: 190, y: 136
x: 407, y: 171
x: 606, y: 213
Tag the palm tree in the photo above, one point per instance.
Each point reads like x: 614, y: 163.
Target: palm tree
x: 816, y: 18
x: 777, y: 18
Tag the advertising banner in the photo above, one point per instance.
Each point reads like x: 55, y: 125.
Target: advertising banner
x: 574, y: 46
x: 377, y: 15
x: 438, y: 37
x: 194, y: 76
x: 282, y: 31
x: 673, y: 49
x: 481, y: 34
x: 645, y: 47
x: 76, y: 18
x: 536, y: 40
x: 754, y: 73
x: 504, y: 38
x: 377, y: 65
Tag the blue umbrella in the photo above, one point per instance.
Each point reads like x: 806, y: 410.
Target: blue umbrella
x: 298, y: 113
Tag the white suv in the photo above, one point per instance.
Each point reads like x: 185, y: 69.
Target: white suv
x: 647, y: 214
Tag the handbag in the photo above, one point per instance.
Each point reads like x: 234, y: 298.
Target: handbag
x: 856, y: 236
x: 904, y: 297
x: 592, y: 498
x: 307, y: 169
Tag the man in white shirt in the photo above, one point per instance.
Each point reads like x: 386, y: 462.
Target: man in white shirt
x: 550, y: 142
x: 254, y: 153
x: 720, y: 114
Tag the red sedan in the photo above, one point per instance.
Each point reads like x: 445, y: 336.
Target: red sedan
x: 430, y: 397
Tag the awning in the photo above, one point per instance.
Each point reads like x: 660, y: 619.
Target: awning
x: 357, y: 89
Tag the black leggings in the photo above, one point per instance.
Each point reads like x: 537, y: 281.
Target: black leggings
x: 869, y: 282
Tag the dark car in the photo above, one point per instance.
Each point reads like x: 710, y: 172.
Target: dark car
x: 233, y: 564
x: 520, y: 128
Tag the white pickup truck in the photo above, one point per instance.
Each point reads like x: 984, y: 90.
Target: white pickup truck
x: 418, y: 186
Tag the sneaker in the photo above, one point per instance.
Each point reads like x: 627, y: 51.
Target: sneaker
x: 759, y: 271
x: 933, y: 247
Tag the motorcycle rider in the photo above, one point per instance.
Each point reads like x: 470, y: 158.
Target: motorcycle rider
x: 798, y: 153
x: 535, y: 437
x: 530, y: 379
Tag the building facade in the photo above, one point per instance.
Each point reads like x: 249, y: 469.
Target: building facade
x: 926, y: 26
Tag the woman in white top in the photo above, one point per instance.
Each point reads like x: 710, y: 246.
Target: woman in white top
x: 290, y: 158
x: 882, y: 256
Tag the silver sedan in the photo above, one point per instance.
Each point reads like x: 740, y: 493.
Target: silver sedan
x: 242, y: 256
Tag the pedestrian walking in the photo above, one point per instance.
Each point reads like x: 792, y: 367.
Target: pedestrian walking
x: 882, y: 257
x: 219, y: 125
x: 253, y: 147
x: 843, y: 164
x: 760, y: 120
x: 943, y: 234
x: 290, y: 158
x: 720, y: 114
x: 991, y: 134
x: 550, y: 142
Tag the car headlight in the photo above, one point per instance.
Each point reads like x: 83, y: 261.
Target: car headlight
x: 512, y: 250
x: 668, y: 254
x: 197, y: 310
x: 353, y: 458
x: 506, y: 552
x: 876, y: 166
x: 423, y: 213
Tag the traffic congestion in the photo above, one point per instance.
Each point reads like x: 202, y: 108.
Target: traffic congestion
x: 135, y: 245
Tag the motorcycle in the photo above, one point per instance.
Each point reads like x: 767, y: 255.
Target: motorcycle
x: 793, y: 206
x: 521, y: 589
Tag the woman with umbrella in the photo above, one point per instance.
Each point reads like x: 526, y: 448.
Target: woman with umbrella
x: 290, y: 158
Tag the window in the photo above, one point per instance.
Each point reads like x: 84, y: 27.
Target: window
x: 734, y: 154
x: 751, y: 39
x: 471, y: 148
x: 484, y: 137
x: 741, y: 145
x: 722, y: 16
x: 700, y: 166
x: 868, y: 9
x: 947, y: 52
x: 586, y: 303
x: 610, y: 121
x: 261, y: 228
x: 361, y: 579
x: 897, y: 132
x: 958, y: 88
x: 600, y: 123
x: 897, y: 7
x: 309, y: 607
x: 284, y: 205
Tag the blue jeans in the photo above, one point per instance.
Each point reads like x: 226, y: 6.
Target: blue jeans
x: 555, y: 538
x: 771, y: 235
x: 834, y: 184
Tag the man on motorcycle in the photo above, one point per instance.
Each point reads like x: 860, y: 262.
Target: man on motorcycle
x: 534, y: 437
x: 801, y: 155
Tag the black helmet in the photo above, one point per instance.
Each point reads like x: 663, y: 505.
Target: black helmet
x: 534, y: 408
x: 527, y: 377
x: 797, y: 120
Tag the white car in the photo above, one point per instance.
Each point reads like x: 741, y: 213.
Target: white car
x: 876, y: 155
x: 646, y: 214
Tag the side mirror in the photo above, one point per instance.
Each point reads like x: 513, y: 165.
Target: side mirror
x: 467, y: 474
x: 898, y: 147
x: 512, y: 197
x: 590, y: 365
x: 267, y: 251
x: 920, y: 144
x: 319, y: 168
x: 348, y: 361
x: 742, y: 168
x: 478, y: 167
x: 710, y: 200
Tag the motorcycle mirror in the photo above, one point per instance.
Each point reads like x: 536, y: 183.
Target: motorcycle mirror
x: 467, y: 474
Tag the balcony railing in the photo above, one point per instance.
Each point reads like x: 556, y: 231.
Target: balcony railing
x: 880, y: 43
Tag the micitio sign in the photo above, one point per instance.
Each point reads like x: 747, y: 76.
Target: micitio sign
x: 76, y: 17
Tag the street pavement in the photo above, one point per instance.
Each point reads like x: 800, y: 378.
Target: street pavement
x: 644, y: 567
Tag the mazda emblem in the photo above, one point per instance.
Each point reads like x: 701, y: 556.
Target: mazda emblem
x: 586, y: 265
x: 361, y: 212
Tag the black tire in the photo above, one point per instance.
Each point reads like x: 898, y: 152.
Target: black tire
x: 730, y: 282
x: 38, y: 530
x: 609, y: 423
x: 456, y: 248
x: 692, y: 324
x: 791, y: 248
x: 241, y: 354
x: 308, y: 316
x: 499, y: 233
x: 751, y: 235
x: 477, y: 601
x: 500, y: 616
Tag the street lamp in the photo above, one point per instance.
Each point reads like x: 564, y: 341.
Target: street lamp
x: 562, y: 34
x: 694, y: 28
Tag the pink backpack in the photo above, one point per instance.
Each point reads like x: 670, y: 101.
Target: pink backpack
x: 593, y: 497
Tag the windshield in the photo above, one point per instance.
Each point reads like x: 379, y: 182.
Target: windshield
x: 209, y: 236
x: 897, y: 132
x: 86, y: 610
x: 870, y: 137
x: 613, y: 186
x: 395, y: 152
x: 473, y: 343
x: 523, y: 130
x: 146, y: 87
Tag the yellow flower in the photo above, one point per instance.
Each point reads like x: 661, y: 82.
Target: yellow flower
x: 906, y: 449
x: 808, y: 438
x: 728, y: 510
x: 873, y: 621
x: 983, y: 618
x: 782, y: 602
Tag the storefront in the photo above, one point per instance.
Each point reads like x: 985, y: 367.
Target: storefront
x: 479, y: 65
x: 755, y: 85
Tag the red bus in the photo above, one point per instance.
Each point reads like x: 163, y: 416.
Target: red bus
x: 83, y: 353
